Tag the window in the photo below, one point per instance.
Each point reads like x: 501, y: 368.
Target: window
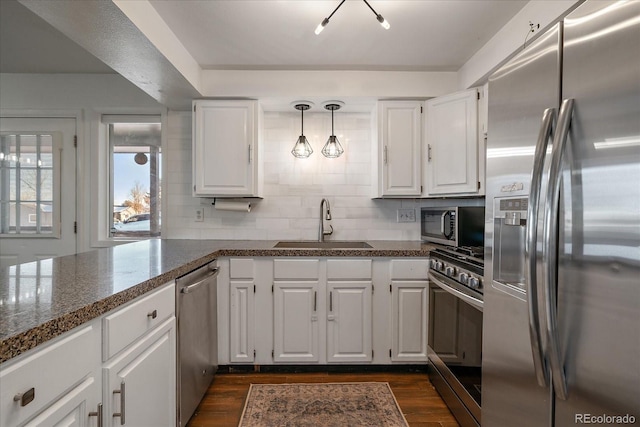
x: 29, y: 179
x: 135, y: 176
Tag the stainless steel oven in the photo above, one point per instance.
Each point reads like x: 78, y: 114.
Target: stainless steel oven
x: 455, y: 329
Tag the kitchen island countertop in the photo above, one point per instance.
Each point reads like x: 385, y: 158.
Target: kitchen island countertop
x: 41, y: 300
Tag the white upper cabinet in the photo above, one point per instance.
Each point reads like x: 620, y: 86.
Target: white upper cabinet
x: 226, y: 148
x: 398, y: 151
x: 451, y: 145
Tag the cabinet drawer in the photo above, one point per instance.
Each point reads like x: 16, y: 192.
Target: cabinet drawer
x: 241, y: 268
x: 409, y: 269
x: 348, y: 269
x: 123, y: 326
x: 296, y: 268
x: 50, y: 370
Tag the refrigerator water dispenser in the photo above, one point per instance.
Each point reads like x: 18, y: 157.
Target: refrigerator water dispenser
x: 509, y: 222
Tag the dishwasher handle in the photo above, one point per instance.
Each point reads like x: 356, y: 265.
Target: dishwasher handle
x: 193, y: 287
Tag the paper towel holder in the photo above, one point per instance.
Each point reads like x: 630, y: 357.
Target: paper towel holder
x: 212, y: 201
x: 233, y: 204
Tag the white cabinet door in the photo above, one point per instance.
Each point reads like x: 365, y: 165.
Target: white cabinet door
x: 44, y: 374
x: 349, y: 323
x: 409, y: 320
x: 79, y: 407
x: 452, y: 144
x: 140, y: 384
x: 399, y: 146
x: 241, y: 311
x: 295, y: 314
x: 225, y: 148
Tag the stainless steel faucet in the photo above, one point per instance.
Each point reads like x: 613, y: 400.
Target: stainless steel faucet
x: 321, y: 232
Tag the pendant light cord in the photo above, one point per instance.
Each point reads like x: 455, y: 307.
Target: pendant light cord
x: 332, y: 133
x: 335, y: 10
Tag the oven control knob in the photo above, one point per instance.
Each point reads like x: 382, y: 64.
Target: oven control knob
x: 450, y: 271
x: 474, y: 282
x: 464, y: 278
x: 439, y: 266
x: 432, y: 263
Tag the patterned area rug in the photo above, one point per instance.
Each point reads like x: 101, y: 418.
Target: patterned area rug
x: 328, y: 405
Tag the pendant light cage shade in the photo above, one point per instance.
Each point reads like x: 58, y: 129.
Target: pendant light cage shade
x: 302, y: 149
x: 332, y: 148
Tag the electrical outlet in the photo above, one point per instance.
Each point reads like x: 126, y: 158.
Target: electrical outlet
x: 406, y: 215
x: 199, y: 215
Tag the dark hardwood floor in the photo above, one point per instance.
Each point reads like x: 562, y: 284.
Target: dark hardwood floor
x: 419, y: 401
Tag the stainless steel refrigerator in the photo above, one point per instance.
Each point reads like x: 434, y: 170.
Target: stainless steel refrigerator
x: 561, y: 334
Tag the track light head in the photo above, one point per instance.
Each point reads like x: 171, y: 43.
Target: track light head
x: 383, y: 22
x: 379, y: 17
x: 321, y: 25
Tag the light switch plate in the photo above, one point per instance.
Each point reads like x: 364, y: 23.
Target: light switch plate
x: 406, y: 215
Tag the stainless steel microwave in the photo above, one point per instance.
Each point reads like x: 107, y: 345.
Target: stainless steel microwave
x: 453, y: 226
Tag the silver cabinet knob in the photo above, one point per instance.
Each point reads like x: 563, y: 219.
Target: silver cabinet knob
x: 26, y: 397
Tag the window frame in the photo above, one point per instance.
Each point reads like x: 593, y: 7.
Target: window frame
x: 99, y: 162
x: 56, y: 197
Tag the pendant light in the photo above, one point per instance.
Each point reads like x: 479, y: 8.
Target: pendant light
x: 332, y: 148
x: 379, y: 17
x: 302, y: 149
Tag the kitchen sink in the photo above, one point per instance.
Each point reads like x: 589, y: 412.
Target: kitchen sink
x: 299, y: 244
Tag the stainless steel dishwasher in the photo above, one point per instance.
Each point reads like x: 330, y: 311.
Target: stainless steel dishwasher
x: 196, y: 299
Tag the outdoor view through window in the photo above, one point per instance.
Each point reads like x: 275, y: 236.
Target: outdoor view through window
x: 136, y: 180
x: 27, y: 182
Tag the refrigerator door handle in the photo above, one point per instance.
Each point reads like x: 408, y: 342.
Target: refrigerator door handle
x: 550, y: 250
x: 546, y: 129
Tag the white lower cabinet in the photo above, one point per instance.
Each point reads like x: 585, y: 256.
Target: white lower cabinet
x: 296, y: 326
x: 409, y: 309
x: 77, y: 408
x: 43, y: 387
x: 242, y: 291
x: 69, y: 381
x: 349, y: 324
x: 301, y: 310
x: 409, y: 318
x: 140, y: 384
x: 241, y: 323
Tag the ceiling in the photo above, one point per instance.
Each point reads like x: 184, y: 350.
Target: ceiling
x: 28, y: 44
x: 425, y: 35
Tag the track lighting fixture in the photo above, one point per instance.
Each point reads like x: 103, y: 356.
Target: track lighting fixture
x: 379, y: 17
x: 332, y: 148
x: 302, y: 149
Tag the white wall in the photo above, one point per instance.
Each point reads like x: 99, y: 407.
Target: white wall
x: 293, y: 188
x: 328, y: 84
x: 510, y: 39
x: 70, y: 91
x: 86, y: 97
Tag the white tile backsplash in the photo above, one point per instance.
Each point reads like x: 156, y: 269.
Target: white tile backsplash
x: 293, y: 187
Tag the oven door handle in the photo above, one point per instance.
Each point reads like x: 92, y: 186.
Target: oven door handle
x: 475, y: 302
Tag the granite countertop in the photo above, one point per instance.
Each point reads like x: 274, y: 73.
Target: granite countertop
x: 41, y: 300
